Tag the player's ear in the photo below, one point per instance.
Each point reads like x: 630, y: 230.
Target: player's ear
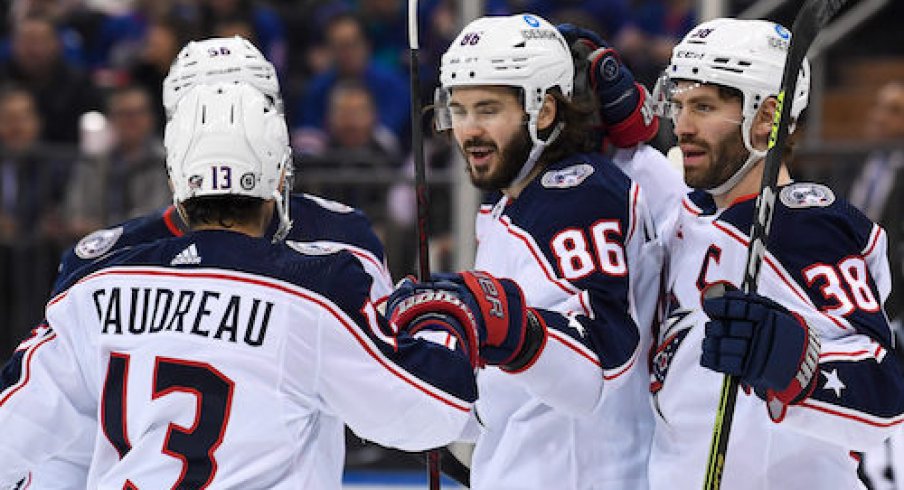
x: 547, y: 114
x: 762, y: 123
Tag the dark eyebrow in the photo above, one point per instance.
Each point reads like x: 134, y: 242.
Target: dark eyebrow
x: 479, y: 105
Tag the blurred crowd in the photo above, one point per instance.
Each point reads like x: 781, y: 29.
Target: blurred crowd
x: 81, y: 116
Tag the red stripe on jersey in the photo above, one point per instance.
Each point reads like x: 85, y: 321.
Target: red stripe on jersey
x: 170, y: 224
x: 537, y: 256
x: 688, y: 206
x: 890, y: 423
x: 26, y: 364
x: 571, y: 344
x: 778, y: 272
x: 623, y: 370
x: 635, y: 192
x: 873, y: 240
x: 289, y: 290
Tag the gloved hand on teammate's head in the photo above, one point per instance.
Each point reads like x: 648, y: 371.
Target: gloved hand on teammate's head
x: 622, y: 101
x: 507, y: 332
x: 761, y: 342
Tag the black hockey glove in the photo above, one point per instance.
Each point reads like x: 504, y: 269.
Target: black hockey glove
x: 626, y: 116
x: 765, y: 345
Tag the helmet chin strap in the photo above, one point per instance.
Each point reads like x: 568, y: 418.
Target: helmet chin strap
x: 282, y: 211
x: 754, y: 156
x: 282, y: 200
x: 536, y: 150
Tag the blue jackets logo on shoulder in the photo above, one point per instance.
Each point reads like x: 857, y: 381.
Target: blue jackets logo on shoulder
x: 312, y: 248
x: 97, y: 243
x: 567, y: 177
x: 807, y: 195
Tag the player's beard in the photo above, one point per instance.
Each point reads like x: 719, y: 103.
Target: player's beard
x: 510, y: 159
x: 725, y: 160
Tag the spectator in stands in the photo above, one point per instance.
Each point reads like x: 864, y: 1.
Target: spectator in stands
x: 31, y: 178
x: 269, y: 33
x: 30, y: 192
x: 129, y: 180
x: 355, y: 145
x: 161, y: 45
x: 878, y: 190
x: 62, y: 92
x: 351, y: 59
x: 652, y: 30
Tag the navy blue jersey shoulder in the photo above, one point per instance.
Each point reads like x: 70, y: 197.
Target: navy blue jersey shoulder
x: 337, y: 276
x: 318, y: 219
x: 574, y: 192
x: 813, y: 243
x: 144, y: 229
x: 806, y: 235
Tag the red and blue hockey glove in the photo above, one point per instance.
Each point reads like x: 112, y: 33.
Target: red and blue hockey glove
x: 624, y: 109
x: 765, y: 345
x: 426, y: 309
x: 509, y: 334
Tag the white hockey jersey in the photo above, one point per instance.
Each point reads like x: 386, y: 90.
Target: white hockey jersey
x: 827, y: 263
x: 580, y: 417
x: 216, y: 360
x: 320, y: 225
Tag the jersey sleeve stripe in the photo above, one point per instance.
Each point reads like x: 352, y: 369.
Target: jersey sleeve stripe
x: 782, y: 275
x: 635, y: 191
x: 852, y: 414
x: 538, y: 256
x: 576, y: 347
x: 26, y: 371
x: 873, y: 240
x: 292, y: 290
x: 610, y: 374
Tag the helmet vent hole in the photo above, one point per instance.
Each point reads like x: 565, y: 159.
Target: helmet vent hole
x: 472, y: 74
x: 720, y: 60
x: 520, y: 45
x: 744, y: 63
x: 695, y: 71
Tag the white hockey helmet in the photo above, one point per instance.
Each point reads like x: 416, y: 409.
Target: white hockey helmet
x: 523, y: 51
x: 747, y: 55
x: 216, y: 60
x: 228, y: 139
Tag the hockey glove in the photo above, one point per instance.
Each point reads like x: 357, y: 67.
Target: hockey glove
x: 511, y: 334
x: 764, y: 344
x: 623, y: 102
x: 436, y: 312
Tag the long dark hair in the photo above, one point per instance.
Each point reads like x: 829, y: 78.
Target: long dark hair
x: 226, y: 211
x: 578, y: 134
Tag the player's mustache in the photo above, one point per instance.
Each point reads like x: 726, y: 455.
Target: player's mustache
x: 693, y: 141
x: 471, y: 143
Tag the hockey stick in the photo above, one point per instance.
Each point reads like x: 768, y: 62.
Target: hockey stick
x: 811, y: 18
x: 420, y: 189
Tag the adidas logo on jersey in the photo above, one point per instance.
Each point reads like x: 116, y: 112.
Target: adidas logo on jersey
x: 187, y: 256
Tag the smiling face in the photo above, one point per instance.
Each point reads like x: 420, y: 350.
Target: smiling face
x: 707, y: 124
x: 489, y: 127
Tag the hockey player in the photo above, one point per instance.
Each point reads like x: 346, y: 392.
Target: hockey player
x: 317, y: 224
x: 569, y: 228
x: 185, y: 354
x: 811, y: 347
